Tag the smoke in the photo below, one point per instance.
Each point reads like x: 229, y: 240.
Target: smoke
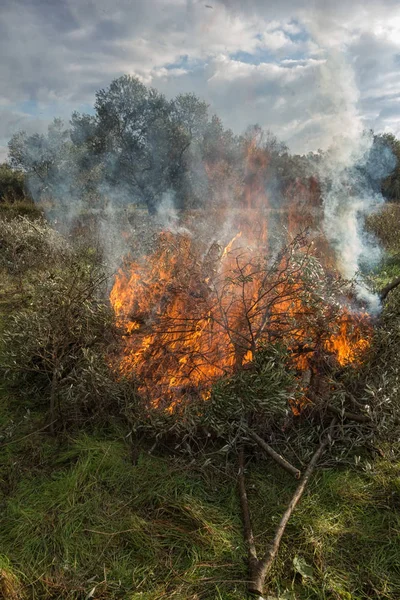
x: 331, y: 119
x: 351, y: 192
x: 351, y: 172
x: 167, y: 216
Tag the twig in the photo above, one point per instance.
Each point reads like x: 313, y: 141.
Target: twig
x: 268, y: 560
x: 388, y: 288
x: 277, y: 457
x: 26, y: 436
x: 109, y: 533
x: 355, y: 402
x: 247, y: 528
x: 349, y: 415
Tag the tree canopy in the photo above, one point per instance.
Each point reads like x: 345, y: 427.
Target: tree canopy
x: 138, y: 145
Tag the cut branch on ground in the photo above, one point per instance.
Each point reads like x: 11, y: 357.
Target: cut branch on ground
x: 388, y: 288
x: 278, y: 458
x: 260, y: 568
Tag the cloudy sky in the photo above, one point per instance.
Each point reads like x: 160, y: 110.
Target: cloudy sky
x: 307, y: 70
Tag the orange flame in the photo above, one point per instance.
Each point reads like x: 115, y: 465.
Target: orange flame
x: 352, y: 340
x: 193, y: 312
x: 189, y: 321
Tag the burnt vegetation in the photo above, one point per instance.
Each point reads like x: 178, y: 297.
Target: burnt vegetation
x: 188, y: 413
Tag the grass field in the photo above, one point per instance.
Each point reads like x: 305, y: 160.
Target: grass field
x: 77, y: 516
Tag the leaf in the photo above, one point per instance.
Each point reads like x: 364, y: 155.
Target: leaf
x: 91, y: 593
x: 300, y: 566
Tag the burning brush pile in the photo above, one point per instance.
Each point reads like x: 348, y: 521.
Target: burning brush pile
x: 196, y: 310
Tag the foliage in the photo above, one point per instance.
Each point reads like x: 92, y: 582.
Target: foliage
x: 44, y: 159
x: 391, y: 184
x: 20, y: 208
x: 12, y: 185
x: 138, y: 147
x: 384, y: 224
x: 143, y: 146
x: 381, y: 375
x: 380, y: 378
x: 27, y: 245
x: 55, y: 346
x: 55, y: 342
x: 259, y: 394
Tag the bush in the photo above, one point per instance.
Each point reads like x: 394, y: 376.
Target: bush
x: 55, y: 343
x: 381, y: 374
x: 19, y: 208
x: 28, y: 245
x: 385, y: 226
x: 258, y: 396
x: 12, y: 185
x: 54, y: 349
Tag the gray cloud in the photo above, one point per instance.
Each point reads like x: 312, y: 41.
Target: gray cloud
x: 305, y: 70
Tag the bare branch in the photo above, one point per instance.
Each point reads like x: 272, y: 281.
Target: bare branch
x: 244, y: 503
x: 260, y: 568
x: 271, y: 452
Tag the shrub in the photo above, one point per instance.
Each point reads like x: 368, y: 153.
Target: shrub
x: 20, y: 208
x: 12, y: 185
x: 54, y: 349
x: 381, y: 374
x: 28, y: 245
x: 259, y: 395
x: 55, y: 343
x: 385, y: 226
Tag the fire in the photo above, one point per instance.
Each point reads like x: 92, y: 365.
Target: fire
x: 194, y: 309
x: 191, y: 314
x: 352, y: 339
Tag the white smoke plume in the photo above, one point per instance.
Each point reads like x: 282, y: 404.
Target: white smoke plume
x: 351, y: 171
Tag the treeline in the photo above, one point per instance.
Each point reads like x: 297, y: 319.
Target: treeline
x: 138, y: 145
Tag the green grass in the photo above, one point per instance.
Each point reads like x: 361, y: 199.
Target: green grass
x: 386, y: 271
x: 79, y: 514
x: 84, y: 515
